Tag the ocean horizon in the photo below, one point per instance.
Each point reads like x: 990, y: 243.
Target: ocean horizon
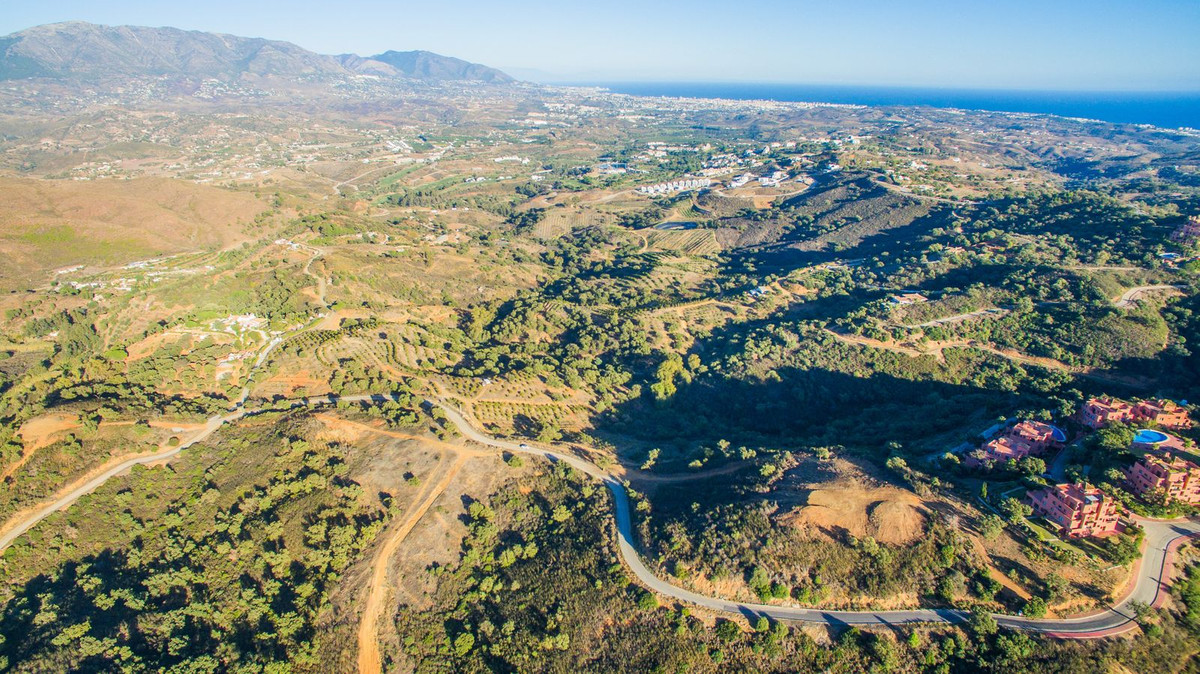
x: 1164, y: 109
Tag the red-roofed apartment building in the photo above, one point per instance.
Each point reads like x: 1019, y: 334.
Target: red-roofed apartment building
x: 1165, y: 413
x: 1038, y: 435
x: 1000, y: 450
x: 1188, y: 231
x: 1018, y: 442
x: 1177, y: 479
x: 1100, y: 412
x: 1080, y: 510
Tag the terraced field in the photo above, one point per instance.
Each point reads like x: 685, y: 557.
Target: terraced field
x: 524, y: 386
x: 688, y: 242
x: 560, y: 221
x: 507, y: 416
x: 400, y: 346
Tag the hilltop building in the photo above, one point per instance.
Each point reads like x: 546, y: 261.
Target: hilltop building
x: 1027, y: 438
x: 1101, y: 412
x: 1165, y: 413
x: 1078, y: 510
x: 1175, y: 478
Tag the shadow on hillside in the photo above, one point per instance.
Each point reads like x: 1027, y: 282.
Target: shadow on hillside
x: 784, y: 255
x: 815, y: 407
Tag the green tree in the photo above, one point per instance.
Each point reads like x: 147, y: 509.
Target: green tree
x: 463, y: 643
x: 990, y: 526
x: 1035, y: 608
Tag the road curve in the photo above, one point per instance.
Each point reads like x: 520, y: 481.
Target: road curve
x: 1161, y: 536
x: 47, y: 509
x: 1129, y: 297
x: 1152, y: 573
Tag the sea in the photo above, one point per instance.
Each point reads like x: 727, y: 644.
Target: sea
x: 1163, y: 109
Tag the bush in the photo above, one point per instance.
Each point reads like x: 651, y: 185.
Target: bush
x: 1035, y: 608
x: 647, y: 602
x: 727, y: 630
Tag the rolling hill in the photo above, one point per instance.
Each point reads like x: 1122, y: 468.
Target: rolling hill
x: 85, y: 52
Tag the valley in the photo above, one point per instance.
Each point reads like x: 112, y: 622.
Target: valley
x: 316, y: 363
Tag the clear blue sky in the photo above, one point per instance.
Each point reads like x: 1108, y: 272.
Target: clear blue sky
x: 1017, y: 44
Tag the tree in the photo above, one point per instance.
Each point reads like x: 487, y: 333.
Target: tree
x: 561, y: 513
x: 983, y: 624
x: 991, y: 526
x: 727, y: 630
x: 1031, y: 465
x: 760, y: 582
x: 463, y: 643
x: 1114, y: 439
x: 647, y: 602
x: 1035, y: 608
x: 1015, y: 510
x: 651, y: 458
x: 1055, y: 585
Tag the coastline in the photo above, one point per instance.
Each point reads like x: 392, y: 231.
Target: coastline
x: 1164, y: 109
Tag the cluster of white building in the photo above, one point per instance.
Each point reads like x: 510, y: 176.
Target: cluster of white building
x: 741, y: 181
x: 772, y: 180
x: 612, y: 168
x: 683, y: 185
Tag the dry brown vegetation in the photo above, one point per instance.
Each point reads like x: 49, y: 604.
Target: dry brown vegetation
x: 887, y: 514
x: 46, y: 225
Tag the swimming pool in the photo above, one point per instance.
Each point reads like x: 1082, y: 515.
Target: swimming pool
x: 1057, y: 434
x: 1149, y: 437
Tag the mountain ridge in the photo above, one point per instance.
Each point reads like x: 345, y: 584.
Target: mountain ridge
x: 81, y: 51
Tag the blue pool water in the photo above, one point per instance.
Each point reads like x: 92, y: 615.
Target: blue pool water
x: 1149, y: 437
x: 1059, y: 435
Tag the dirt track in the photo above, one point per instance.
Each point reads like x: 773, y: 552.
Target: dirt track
x: 369, y: 659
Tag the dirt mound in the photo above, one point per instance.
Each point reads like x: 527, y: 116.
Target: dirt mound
x: 888, y: 514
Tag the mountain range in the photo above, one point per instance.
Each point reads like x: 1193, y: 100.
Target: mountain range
x: 79, y: 51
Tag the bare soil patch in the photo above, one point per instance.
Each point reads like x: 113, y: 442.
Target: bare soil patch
x: 44, y: 430
x: 848, y: 506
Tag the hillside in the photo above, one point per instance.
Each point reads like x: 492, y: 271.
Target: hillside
x: 79, y: 51
x: 45, y: 225
x: 837, y: 213
x: 426, y: 65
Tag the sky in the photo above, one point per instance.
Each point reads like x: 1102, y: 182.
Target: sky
x: 1090, y: 45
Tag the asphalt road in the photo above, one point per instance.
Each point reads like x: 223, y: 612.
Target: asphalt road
x: 1160, y: 535
x: 1129, y: 297
x: 74, y: 495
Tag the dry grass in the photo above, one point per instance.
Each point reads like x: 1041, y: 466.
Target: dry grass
x: 888, y: 514
x: 46, y: 224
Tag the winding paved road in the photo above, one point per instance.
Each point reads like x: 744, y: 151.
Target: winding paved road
x: 1129, y: 297
x: 1162, y: 537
